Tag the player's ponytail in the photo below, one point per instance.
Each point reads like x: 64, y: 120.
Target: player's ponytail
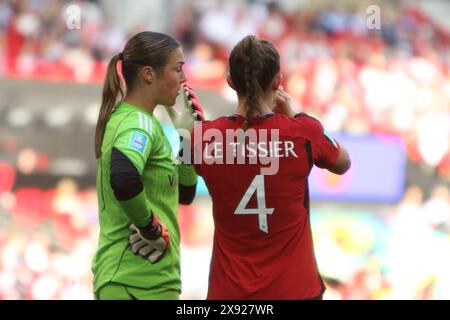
x: 111, y: 88
x: 253, y: 65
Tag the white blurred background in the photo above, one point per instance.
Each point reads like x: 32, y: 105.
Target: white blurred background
x: 381, y: 232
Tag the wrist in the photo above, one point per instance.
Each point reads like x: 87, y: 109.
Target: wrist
x: 152, y: 230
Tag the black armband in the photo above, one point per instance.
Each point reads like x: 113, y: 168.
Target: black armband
x: 124, y: 177
x: 186, y: 194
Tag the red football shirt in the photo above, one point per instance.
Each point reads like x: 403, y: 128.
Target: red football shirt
x: 263, y: 246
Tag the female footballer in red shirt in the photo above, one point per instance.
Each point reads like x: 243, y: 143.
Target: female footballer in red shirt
x: 256, y: 165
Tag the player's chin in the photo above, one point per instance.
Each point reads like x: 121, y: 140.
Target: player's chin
x: 174, y: 97
x: 170, y: 102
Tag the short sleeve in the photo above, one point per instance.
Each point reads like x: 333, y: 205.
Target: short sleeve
x: 325, y: 148
x: 134, y: 138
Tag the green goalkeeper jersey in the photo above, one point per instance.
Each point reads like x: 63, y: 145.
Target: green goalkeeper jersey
x: 139, y: 136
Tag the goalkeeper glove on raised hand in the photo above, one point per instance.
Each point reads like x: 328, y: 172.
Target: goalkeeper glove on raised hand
x: 191, y: 99
x: 184, y: 121
x: 151, y: 242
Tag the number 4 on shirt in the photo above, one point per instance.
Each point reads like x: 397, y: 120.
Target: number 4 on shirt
x: 262, y: 212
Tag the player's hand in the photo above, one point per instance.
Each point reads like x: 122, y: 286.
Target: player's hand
x: 150, y: 242
x: 192, y: 103
x: 282, y: 103
x: 184, y: 121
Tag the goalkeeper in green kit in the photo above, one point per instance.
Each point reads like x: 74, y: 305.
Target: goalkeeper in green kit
x: 139, y: 181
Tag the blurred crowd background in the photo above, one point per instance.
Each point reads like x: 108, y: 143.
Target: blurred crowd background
x: 380, y: 232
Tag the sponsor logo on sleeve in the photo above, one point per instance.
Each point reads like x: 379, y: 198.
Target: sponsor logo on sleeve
x: 138, y: 142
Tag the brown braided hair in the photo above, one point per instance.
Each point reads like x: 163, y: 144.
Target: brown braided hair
x: 253, y: 65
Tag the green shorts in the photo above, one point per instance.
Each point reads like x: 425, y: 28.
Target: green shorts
x: 117, y: 291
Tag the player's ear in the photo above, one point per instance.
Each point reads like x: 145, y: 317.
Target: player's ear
x: 230, y: 82
x: 276, y: 82
x: 149, y: 74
